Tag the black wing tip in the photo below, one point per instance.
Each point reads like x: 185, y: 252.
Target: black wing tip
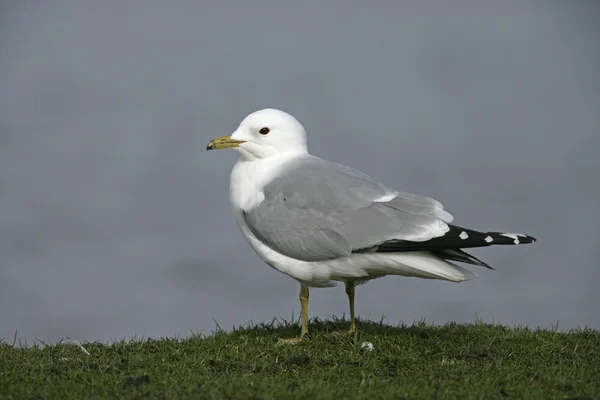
x: 486, y: 265
x: 489, y: 267
x: 455, y: 238
x: 509, y: 238
x: 471, y: 238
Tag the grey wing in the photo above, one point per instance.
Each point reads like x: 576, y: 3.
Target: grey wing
x: 317, y: 210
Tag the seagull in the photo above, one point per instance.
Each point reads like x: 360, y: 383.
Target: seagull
x: 322, y: 223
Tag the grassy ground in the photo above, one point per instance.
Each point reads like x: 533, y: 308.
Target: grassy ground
x: 413, y: 362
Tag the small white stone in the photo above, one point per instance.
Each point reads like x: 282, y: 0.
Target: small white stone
x: 464, y: 235
x: 367, y: 346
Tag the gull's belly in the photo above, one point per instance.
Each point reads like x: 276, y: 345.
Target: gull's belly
x: 314, y: 274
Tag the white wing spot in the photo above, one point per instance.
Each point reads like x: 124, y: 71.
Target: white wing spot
x: 386, y: 198
x: 511, y: 236
x: 464, y: 235
x: 489, y: 239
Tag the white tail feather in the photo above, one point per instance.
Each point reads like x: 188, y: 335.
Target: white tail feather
x: 413, y: 264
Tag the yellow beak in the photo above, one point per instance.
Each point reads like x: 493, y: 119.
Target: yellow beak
x: 223, y: 142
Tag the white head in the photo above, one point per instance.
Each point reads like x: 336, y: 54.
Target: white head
x: 264, y: 133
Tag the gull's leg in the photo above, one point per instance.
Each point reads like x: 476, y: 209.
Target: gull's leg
x: 303, y: 318
x: 304, y: 310
x: 350, y: 292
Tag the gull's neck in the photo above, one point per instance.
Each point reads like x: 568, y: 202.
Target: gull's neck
x: 249, y: 177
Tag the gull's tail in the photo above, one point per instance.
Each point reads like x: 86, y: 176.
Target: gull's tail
x: 419, y: 264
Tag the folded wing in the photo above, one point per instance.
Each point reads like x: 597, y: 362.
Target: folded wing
x: 315, y: 210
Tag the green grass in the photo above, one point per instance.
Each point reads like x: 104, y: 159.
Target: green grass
x: 413, y: 362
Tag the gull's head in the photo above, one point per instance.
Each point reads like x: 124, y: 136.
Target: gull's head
x: 263, y: 134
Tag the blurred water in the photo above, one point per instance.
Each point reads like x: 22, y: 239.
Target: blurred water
x: 115, y: 223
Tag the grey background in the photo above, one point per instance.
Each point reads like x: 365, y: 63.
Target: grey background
x: 115, y: 223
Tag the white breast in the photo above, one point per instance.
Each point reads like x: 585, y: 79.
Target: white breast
x: 248, y: 178
x: 245, y: 186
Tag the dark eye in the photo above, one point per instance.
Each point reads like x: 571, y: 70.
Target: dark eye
x: 264, y: 131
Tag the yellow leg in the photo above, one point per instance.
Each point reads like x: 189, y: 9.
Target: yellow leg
x: 304, y: 310
x: 350, y: 293
x: 303, y: 317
